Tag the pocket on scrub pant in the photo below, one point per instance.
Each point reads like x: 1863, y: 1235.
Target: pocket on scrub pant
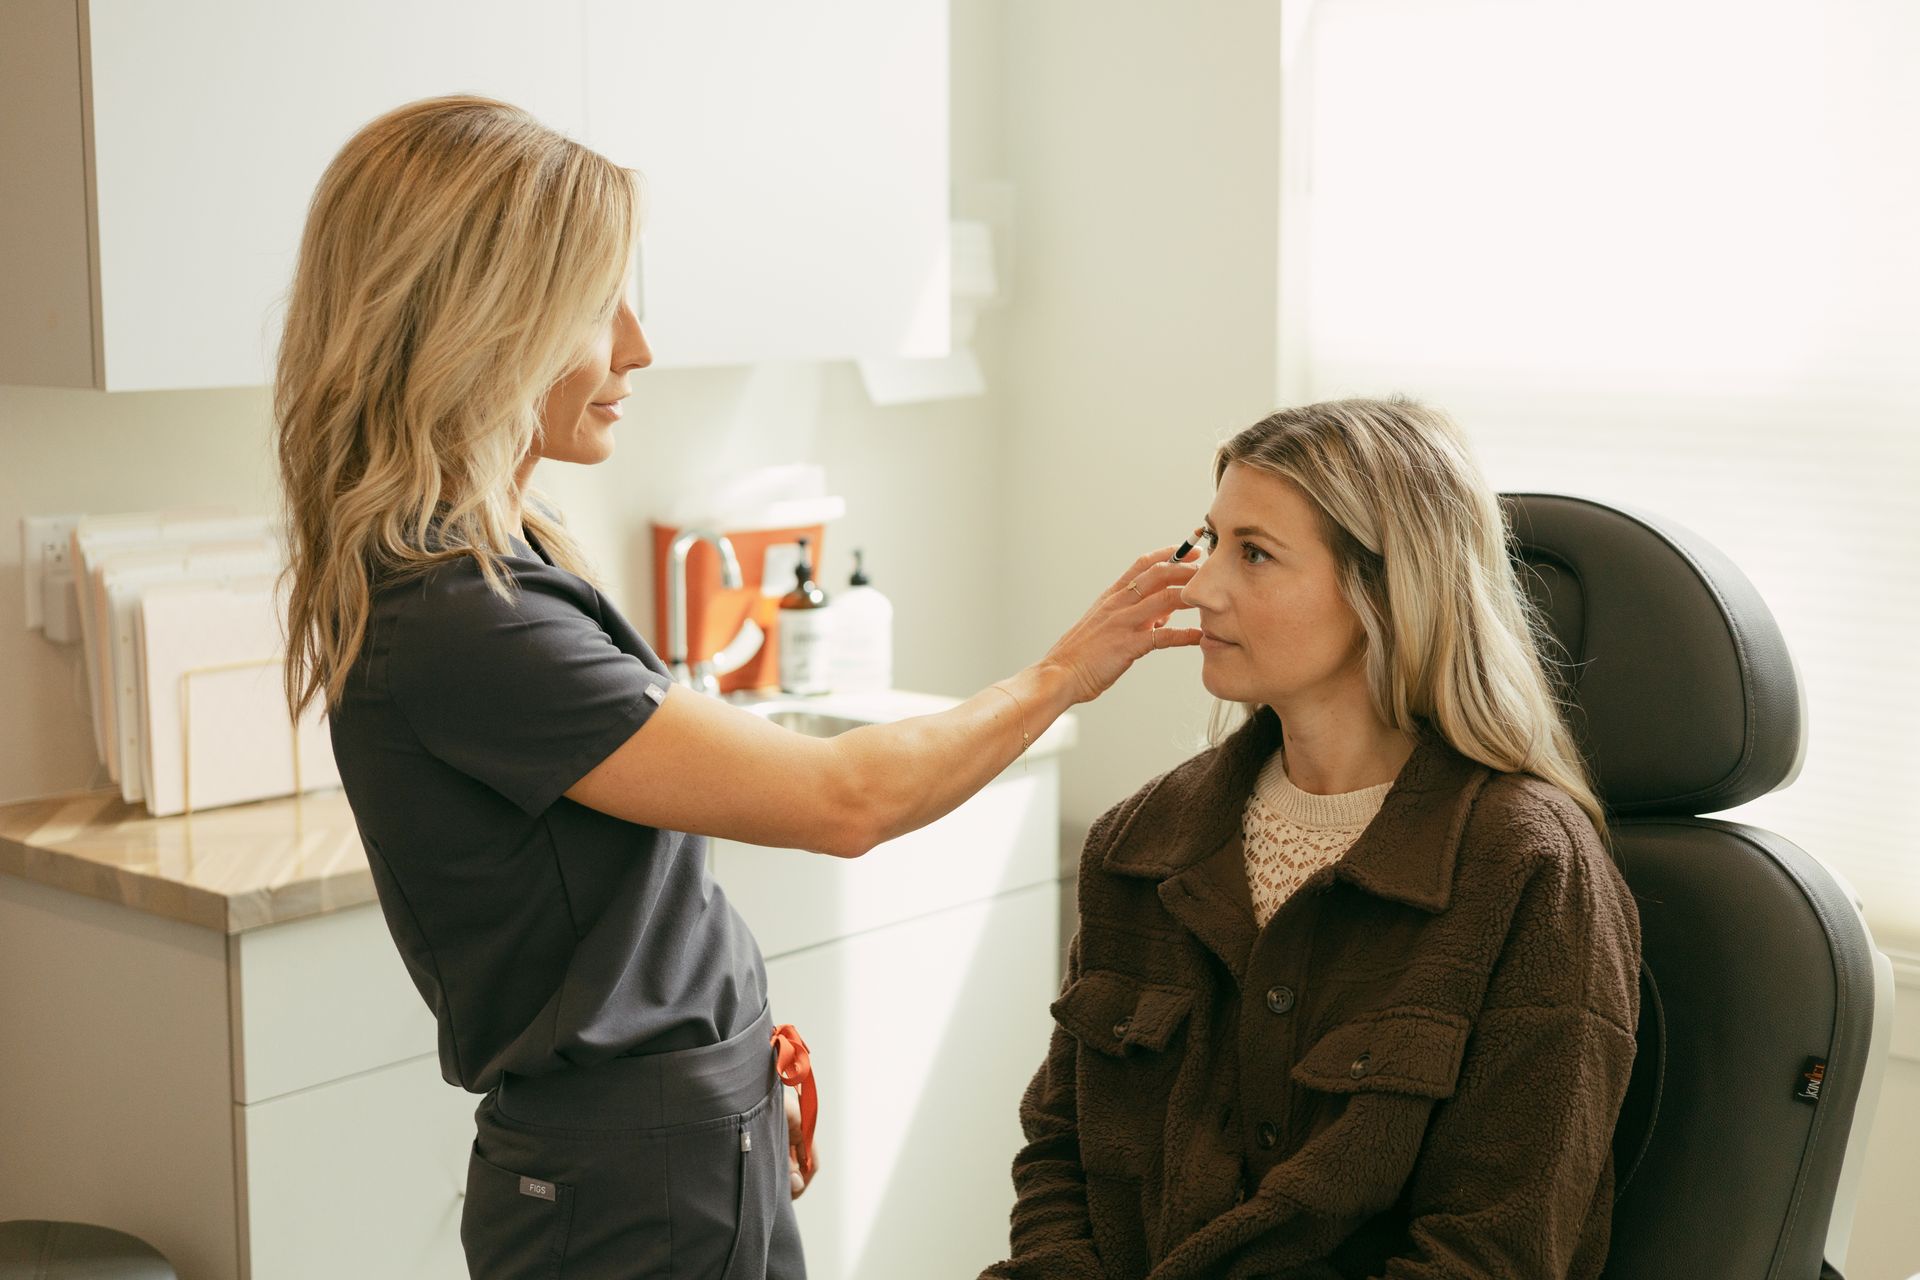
x: 760, y: 1184
x: 513, y: 1224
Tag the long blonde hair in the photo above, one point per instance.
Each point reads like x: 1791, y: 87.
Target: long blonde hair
x: 1423, y: 558
x: 458, y: 260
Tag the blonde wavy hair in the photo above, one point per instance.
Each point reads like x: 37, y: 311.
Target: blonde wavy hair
x: 1422, y: 549
x: 459, y: 259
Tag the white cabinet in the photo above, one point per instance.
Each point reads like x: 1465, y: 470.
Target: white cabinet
x: 920, y: 976
x: 1006, y: 837
x: 362, y: 1177
x: 924, y: 1035
x: 159, y: 159
x: 796, y: 166
x: 321, y: 999
x: 265, y: 1104
x: 159, y: 179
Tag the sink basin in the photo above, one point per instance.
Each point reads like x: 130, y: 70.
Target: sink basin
x: 811, y: 721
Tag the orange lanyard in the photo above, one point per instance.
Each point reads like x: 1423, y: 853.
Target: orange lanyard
x: 796, y: 1069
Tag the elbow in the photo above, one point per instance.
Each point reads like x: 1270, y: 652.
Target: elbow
x: 858, y: 817
x: 850, y: 845
x: 849, y: 836
x: 860, y: 830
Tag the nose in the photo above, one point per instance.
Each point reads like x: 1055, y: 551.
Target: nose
x: 630, y: 349
x: 1200, y: 592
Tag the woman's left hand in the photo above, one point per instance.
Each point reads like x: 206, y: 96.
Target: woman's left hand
x: 796, y: 1180
x: 1128, y: 622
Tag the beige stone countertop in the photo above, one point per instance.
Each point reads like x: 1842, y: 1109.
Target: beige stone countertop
x: 230, y: 869
x: 246, y: 866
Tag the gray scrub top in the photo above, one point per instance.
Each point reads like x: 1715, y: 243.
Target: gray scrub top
x: 542, y: 933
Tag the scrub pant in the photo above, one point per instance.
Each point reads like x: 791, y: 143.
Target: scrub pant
x: 668, y: 1165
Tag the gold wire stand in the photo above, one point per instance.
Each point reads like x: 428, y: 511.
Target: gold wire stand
x: 186, y: 725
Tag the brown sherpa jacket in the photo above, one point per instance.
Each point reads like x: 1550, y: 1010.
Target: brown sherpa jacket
x: 1412, y: 1071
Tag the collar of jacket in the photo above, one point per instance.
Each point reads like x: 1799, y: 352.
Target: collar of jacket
x: 1187, y: 829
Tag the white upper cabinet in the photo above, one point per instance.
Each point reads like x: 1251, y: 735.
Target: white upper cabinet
x: 202, y: 129
x: 795, y: 157
x: 159, y: 159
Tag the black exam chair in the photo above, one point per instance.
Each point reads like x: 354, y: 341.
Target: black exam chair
x: 1766, y: 1010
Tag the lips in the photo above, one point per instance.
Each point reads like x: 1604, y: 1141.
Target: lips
x: 608, y: 408
x: 1208, y: 640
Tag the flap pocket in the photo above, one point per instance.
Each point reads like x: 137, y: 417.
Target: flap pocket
x: 1400, y: 1051
x: 1115, y: 1013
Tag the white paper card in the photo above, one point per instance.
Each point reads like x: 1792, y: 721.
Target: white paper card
x: 224, y: 732
x: 117, y: 583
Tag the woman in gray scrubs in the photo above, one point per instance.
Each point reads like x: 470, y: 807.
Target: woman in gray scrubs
x: 533, y: 791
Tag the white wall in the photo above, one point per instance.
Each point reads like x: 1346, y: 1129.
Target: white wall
x: 1141, y: 143
x: 1886, y: 1238
x: 87, y: 451
x: 921, y: 482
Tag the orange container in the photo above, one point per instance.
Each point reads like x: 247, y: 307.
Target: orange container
x: 715, y: 613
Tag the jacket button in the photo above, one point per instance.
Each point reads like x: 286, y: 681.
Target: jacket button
x: 1280, y: 999
x: 1121, y: 1027
x: 1360, y: 1066
x: 1269, y: 1136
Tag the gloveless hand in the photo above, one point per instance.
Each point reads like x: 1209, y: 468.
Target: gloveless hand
x: 1126, y: 623
x: 798, y: 1179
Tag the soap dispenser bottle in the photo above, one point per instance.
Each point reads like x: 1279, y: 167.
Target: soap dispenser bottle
x: 862, y: 659
x: 805, y: 631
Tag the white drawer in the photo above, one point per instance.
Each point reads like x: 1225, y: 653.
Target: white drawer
x: 1007, y: 837
x: 361, y: 1178
x: 323, y: 998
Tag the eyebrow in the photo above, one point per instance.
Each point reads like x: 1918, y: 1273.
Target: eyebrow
x: 1251, y: 531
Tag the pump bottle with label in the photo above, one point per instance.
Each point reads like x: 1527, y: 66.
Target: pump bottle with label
x: 805, y: 630
x: 862, y: 659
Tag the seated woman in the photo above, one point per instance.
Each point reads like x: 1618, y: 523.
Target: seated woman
x: 1354, y: 992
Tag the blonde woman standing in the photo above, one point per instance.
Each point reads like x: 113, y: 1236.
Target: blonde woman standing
x: 1354, y: 992
x: 532, y: 789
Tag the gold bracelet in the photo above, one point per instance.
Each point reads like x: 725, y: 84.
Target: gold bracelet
x: 1025, y: 741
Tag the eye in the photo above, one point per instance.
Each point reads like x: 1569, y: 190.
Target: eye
x: 1210, y: 540
x: 1252, y: 554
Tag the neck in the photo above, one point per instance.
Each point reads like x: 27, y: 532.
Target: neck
x: 1333, y: 749
x: 522, y: 477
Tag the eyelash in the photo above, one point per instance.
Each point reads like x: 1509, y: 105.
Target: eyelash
x: 1212, y: 541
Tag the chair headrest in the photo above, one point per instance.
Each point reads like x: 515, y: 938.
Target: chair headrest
x: 1686, y: 699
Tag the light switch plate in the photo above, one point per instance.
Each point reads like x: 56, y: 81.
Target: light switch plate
x: 45, y: 544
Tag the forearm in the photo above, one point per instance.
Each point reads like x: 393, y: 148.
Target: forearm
x: 1074, y: 1261
x: 1050, y: 1198
x: 904, y: 775
x: 1051, y: 1236
x: 706, y: 768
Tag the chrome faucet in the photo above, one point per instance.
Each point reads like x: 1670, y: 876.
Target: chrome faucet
x: 700, y: 675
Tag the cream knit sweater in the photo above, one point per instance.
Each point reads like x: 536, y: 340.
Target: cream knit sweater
x: 1290, y: 833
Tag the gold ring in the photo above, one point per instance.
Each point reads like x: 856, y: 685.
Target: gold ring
x: 1134, y: 587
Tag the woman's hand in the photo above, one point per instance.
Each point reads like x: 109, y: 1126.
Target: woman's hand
x: 1127, y: 623
x: 797, y: 1179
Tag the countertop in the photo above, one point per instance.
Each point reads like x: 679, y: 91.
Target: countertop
x: 247, y: 866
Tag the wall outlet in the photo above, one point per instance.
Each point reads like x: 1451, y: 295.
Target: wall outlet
x: 46, y: 544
